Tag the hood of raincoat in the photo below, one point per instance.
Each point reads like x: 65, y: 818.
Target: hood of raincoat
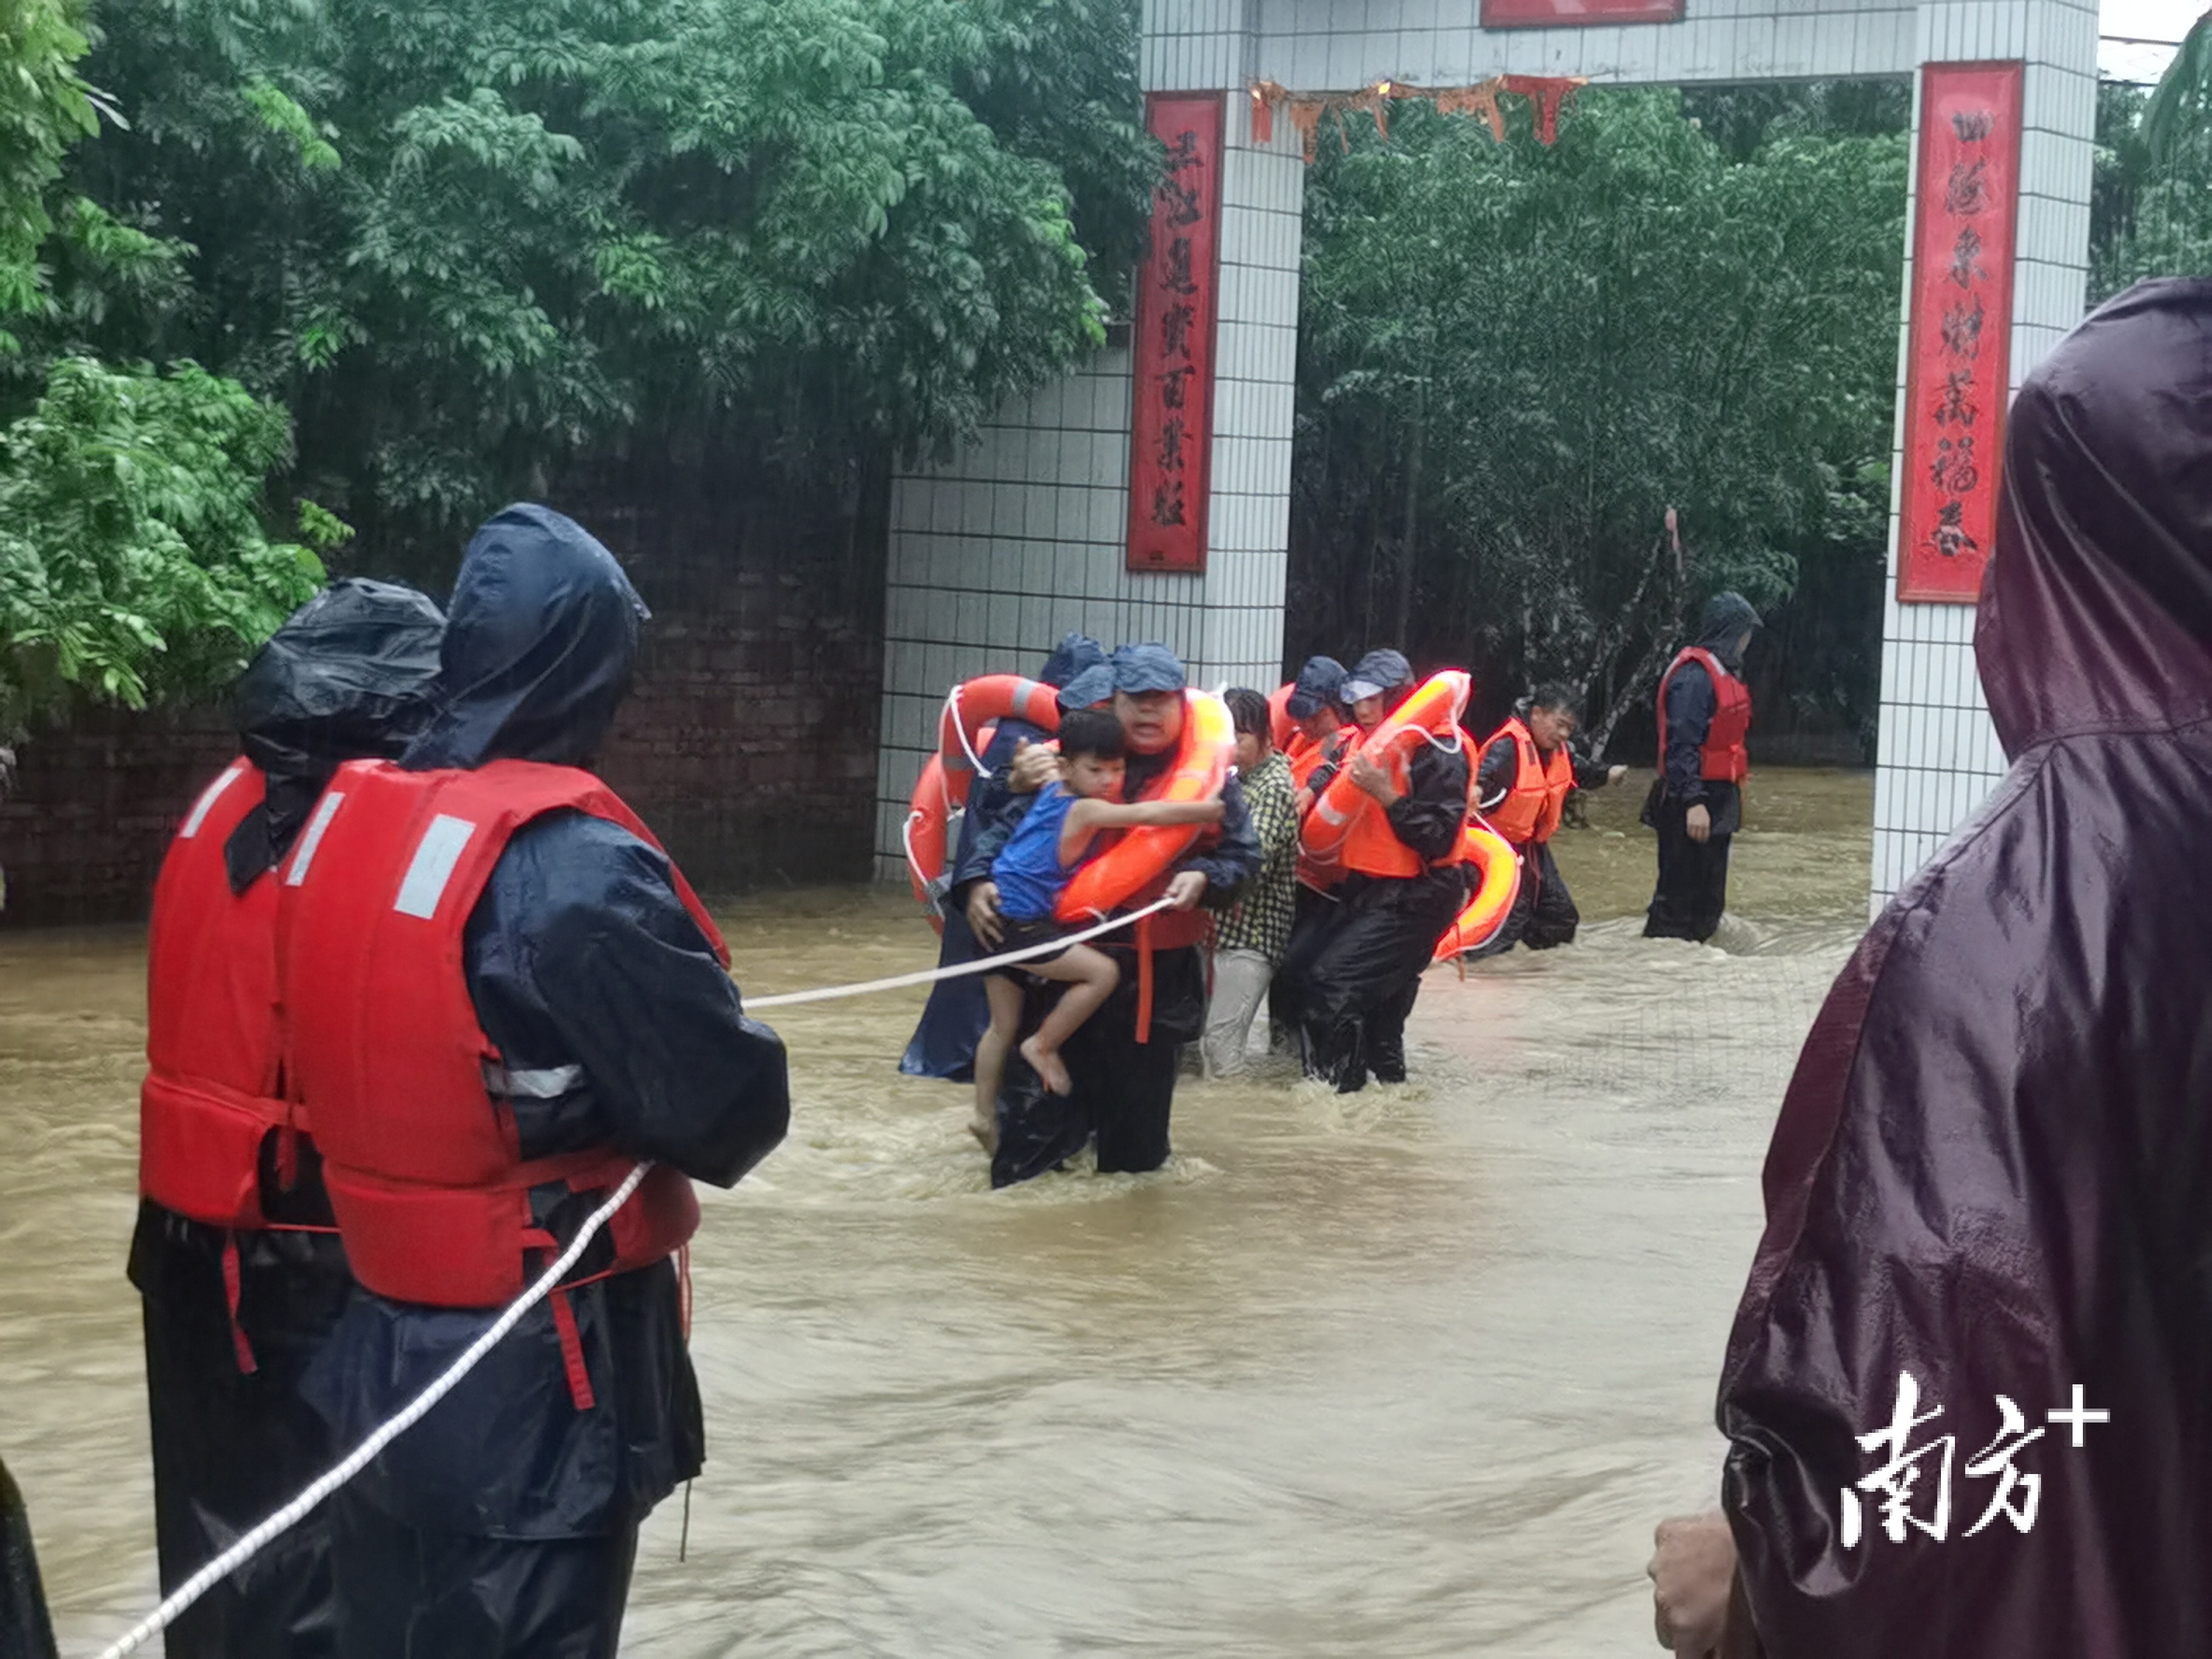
x: 2097, y: 615
x: 1989, y: 1172
x: 348, y: 676
x: 1721, y: 628
x: 540, y: 639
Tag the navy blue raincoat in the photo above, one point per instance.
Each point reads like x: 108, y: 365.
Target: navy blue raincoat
x: 590, y: 976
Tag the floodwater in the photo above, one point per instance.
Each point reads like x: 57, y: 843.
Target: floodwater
x: 1411, y: 1372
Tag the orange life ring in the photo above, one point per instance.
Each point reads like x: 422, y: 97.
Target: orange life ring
x: 964, y: 729
x: 1432, y: 711
x: 1143, y: 856
x: 1485, y: 913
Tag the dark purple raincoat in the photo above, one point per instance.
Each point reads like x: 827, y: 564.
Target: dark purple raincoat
x: 1993, y: 1170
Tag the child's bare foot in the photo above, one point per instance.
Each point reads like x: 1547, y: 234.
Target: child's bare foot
x: 1046, y: 1063
x: 984, y: 1131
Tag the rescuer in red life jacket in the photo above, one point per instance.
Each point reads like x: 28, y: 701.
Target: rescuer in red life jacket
x: 235, y: 1256
x: 1521, y: 788
x: 1697, y: 803
x: 502, y: 996
x: 1355, y: 963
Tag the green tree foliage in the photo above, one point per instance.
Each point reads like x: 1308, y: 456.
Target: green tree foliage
x: 132, y: 558
x: 1516, y: 359
x: 43, y: 109
x: 2153, y: 192
x: 468, y: 245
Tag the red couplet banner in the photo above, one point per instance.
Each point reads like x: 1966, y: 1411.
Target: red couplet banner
x: 1171, y: 347
x: 1959, y: 352
x: 1563, y: 14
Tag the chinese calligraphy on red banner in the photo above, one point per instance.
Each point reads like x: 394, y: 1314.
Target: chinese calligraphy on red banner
x: 1959, y: 353
x: 1171, y: 348
x: 1511, y: 14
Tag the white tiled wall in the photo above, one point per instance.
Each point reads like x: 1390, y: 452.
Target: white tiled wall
x: 1022, y: 537
x: 1316, y: 45
x: 1939, y: 754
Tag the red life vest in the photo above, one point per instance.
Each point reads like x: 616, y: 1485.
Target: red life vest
x: 1371, y: 846
x: 421, y: 1158
x: 1530, y: 812
x: 1723, y: 756
x: 214, y: 1042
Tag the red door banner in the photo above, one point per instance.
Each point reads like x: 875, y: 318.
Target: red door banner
x: 1171, y: 347
x: 1958, y: 353
x: 1565, y: 13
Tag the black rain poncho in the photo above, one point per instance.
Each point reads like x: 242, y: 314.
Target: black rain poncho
x: 467, y: 1535
x: 346, y: 678
x: 1991, y: 1169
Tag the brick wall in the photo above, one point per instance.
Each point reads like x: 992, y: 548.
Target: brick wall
x: 749, y: 743
x: 94, y: 806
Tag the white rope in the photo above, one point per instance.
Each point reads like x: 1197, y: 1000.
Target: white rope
x: 294, y: 1512
x: 906, y: 840
x: 927, y: 975
x: 952, y: 707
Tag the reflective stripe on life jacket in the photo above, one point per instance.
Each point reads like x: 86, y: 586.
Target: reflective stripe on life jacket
x: 214, y: 1041
x: 1530, y: 812
x: 422, y: 1159
x: 1721, y: 758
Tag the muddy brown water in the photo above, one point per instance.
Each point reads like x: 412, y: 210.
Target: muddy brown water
x: 1410, y: 1372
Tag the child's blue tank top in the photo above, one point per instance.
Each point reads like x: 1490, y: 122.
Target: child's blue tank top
x: 1027, y: 869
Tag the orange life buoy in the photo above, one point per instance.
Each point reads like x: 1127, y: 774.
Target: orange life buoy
x: 964, y: 729
x: 1485, y: 913
x: 1432, y: 711
x: 1143, y: 856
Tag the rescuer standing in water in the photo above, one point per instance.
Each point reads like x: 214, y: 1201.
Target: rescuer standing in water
x: 1697, y: 803
x: 236, y: 1257
x: 1521, y: 789
x: 956, y: 1015
x: 1356, y: 961
x: 502, y: 996
x: 1122, y: 1062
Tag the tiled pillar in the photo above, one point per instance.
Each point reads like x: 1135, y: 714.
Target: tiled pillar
x: 1939, y: 754
x: 1023, y: 536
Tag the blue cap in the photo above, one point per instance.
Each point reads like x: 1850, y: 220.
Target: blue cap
x: 1377, y: 672
x: 1093, y: 686
x: 1075, y: 653
x: 1320, y: 682
x: 1138, y: 669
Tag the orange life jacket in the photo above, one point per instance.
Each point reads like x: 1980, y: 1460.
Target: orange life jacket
x: 1721, y: 758
x: 420, y: 1149
x: 1530, y: 812
x: 1371, y: 846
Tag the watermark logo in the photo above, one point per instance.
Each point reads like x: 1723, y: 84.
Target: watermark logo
x: 1905, y: 1495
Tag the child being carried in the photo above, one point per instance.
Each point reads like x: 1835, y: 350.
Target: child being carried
x: 1045, y: 851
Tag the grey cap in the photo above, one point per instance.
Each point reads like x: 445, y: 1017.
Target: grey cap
x: 1377, y: 672
x: 1320, y: 683
x: 1138, y: 669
